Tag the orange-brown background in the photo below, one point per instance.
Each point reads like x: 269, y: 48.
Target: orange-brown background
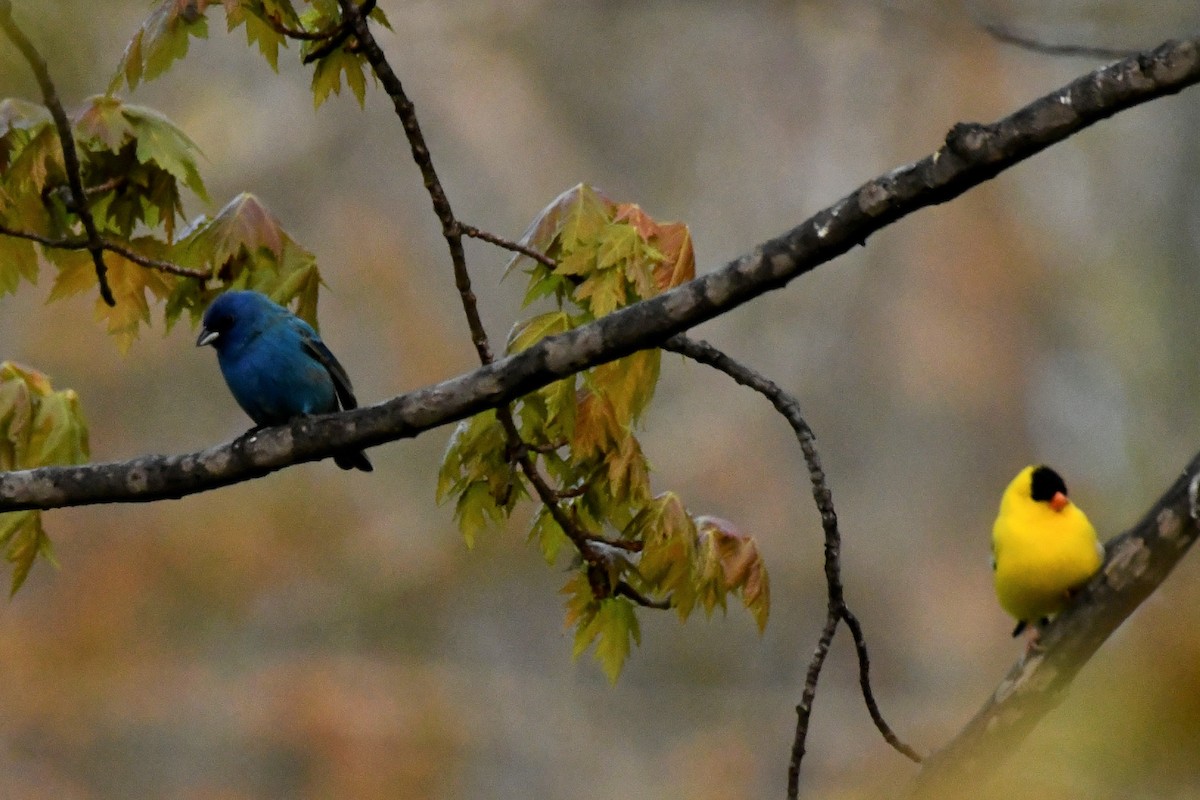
x: 318, y: 634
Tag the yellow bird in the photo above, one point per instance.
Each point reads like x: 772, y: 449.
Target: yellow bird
x: 1043, y: 547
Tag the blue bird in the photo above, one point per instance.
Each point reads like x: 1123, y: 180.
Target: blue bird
x: 276, y: 365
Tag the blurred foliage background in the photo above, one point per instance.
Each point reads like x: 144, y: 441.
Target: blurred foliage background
x: 319, y: 634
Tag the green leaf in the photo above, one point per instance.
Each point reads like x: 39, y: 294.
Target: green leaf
x: 531, y: 331
x: 628, y: 472
x: 578, y: 212
x: 255, y: 15
x: 327, y: 76
x: 23, y: 539
x: 18, y: 259
x: 161, y: 40
x: 161, y: 143
x: 476, y: 511
x: 605, y: 292
x: 548, y: 534
x: 610, y: 623
x: 628, y: 383
x: 668, y: 539
x: 245, y: 247
x: 733, y: 563
x: 39, y: 426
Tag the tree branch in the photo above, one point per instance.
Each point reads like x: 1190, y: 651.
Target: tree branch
x: 972, y: 154
x: 1136, y: 562
x: 507, y: 244
x: 66, y: 138
x: 106, y: 244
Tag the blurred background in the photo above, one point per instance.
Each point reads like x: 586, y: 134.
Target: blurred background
x: 318, y: 634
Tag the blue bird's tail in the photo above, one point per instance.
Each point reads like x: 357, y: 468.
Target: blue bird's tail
x: 356, y: 459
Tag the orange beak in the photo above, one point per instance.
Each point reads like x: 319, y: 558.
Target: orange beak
x: 1059, y: 501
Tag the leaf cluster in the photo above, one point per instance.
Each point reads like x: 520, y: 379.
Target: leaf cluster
x: 39, y: 426
x: 166, y: 33
x: 580, y: 434
x: 135, y: 164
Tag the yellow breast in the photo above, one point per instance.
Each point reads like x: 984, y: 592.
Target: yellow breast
x: 1040, y: 555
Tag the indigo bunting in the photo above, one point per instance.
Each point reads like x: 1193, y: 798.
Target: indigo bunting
x: 276, y: 365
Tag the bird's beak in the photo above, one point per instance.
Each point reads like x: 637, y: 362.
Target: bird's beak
x: 206, y: 337
x: 1059, y: 501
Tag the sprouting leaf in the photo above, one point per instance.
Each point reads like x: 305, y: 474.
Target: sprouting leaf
x: 160, y: 142
x: 245, y: 247
x: 628, y: 383
x: 580, y: 208
x: 32, y: 165
x: 18, y: 259
x: 605, y: 292
x: 328, y: 72
x: 103, y: 119
x: 39, y: 426
x: 254, y: 14
x: 479, y: 508
x: 672, y: 241
x: 596, y: 428
x: 736, y: 559
x: 531, y: 331
x: 668, y: 538
x: 548, y: 534
x: 162, y: 39
x: 17, y: 119
x: 610, y: 623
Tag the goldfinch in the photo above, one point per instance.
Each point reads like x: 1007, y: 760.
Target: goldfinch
x: 1043, y: 547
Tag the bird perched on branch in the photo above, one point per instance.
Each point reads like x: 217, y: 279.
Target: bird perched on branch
x: 276, y: 365
x: 1043, y: 547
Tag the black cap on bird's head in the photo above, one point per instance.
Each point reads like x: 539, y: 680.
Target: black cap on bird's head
x: 1047, y: 486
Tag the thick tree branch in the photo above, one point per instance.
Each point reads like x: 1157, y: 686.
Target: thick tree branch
x: 1136, y: 562
x: 66, y: 138
x: 972, y: 154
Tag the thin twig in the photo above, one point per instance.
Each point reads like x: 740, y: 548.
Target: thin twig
x: 1009, y: 36
x: 453, y: 231
x: 864, y: 681
x: 507, y: 244
x: 66, y: 138
x: 106, y: 244
x: 804, y: 709
x: 340, y: 34
x: 407, y: 113
x: 276, y: 24
x: 623, y: 589
x: 789, y: 407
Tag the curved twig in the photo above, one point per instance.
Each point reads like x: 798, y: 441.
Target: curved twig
x: 1007, y: 35
x: 66, y: 138
x: 789, y: 407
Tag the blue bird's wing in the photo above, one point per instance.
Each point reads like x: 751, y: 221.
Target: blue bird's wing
x: 313, y: 345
